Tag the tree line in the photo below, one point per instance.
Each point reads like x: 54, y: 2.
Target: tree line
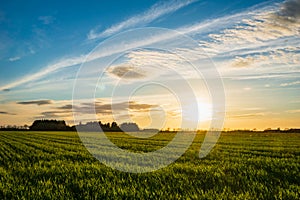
x: 60, y: 125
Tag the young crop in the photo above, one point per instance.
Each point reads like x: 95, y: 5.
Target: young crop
x: 56, y: 165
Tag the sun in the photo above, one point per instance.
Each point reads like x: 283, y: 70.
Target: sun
x: 196, y: 114
x: 204, y: 111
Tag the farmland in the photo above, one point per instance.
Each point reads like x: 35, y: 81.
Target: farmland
x: 56, y: 165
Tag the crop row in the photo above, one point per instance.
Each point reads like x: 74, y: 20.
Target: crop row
x: 56, y: 165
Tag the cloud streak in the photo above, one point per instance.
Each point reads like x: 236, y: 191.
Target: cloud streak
x: 247, y: 115
x: 293, y: 111
x: 36, y: 102
x: 12, y: 59
x: 6, y: 113
x: 108, y: 108
x: 126, y: 71
x: 290, y: 84
x: 255, y: 32
x: 45, y: 71
x: 156, y: 11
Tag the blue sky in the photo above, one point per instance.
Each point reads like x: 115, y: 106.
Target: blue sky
x: 254, y: 45
x: 39, y: 34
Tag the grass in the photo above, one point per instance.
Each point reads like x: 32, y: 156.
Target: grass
x: 55, y: 165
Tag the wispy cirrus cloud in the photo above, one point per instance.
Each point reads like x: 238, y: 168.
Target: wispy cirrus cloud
x: 156, y: 11
x: 247, y: 115
x: 265, y: 24
x: 230, y: 40
x: 290, y: 84
x: 76, y: 60
x: 251, y: 35
x: 68, y: 62
x: 12, y: 59
x: 264, y: 76
x: 281, y: 56
x: 293, y: 111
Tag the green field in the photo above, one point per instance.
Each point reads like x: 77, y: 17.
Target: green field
x: 55, y: 165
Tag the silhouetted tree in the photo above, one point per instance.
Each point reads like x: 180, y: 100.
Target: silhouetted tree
x: 95, y: 126
x: 114, y: 127
x: 129, y: 127
x: 49, y: 125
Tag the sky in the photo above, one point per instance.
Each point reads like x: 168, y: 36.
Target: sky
x: 160, y: 64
